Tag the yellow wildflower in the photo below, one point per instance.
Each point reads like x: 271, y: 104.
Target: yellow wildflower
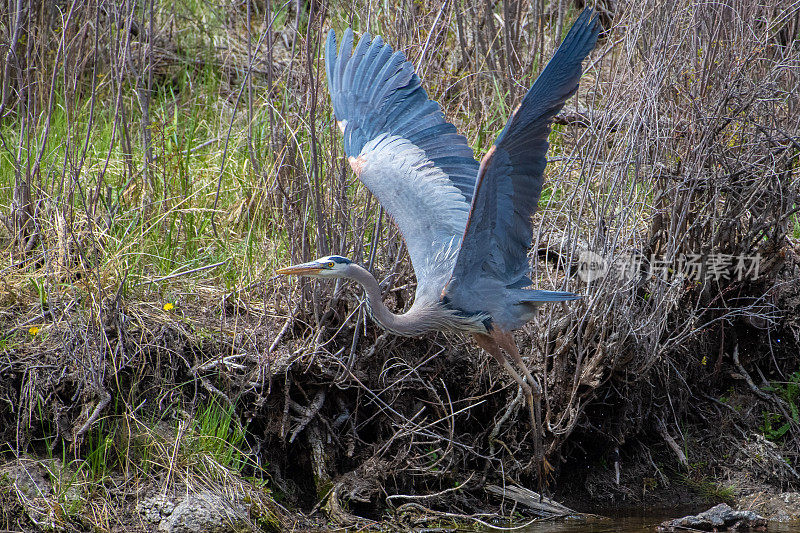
x: 169, y: 306
x: 704, y: 360
x: 33, y: 330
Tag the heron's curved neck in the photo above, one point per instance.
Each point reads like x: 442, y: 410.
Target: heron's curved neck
x: 408, y: 324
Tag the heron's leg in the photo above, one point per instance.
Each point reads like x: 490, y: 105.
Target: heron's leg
x: 506, y: 341
x: 490, y: 344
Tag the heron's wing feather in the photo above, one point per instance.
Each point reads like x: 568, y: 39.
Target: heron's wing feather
x: 429, y: 210
x: 375, y: 91
x: 499, y: 230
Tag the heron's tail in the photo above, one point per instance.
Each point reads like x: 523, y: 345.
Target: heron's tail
x: 550, y: 296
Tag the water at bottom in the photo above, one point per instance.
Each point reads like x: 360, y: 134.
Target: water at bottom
x: 626, y: 524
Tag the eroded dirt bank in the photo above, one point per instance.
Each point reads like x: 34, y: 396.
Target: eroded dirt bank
x: 280, y: 422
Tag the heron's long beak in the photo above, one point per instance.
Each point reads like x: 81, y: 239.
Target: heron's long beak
x: 305, y: 269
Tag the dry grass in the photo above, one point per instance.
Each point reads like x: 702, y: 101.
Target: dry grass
x: 158, y: 161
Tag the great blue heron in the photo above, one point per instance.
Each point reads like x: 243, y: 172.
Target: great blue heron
x: 467, y: 226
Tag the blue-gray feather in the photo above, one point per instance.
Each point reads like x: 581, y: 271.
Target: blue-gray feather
x: 429, y: 210
x: 375, y: 91
x: 492, y: 264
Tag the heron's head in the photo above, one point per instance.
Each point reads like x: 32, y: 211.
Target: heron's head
x: 330, y: 266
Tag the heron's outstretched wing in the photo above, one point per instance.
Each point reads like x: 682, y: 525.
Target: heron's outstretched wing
x: 375, y: 91
x: 404, y: 151
x: 498, y: 237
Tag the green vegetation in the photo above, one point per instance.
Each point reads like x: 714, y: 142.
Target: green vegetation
x: 215, y: 434
x: 777, y: 425
x: 710, y: 490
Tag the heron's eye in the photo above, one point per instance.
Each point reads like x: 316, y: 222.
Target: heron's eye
x: 331, y: 264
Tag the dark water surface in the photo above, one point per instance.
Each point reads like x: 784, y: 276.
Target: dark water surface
x: 626, y: 524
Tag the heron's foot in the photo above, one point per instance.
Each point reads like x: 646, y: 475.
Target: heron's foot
x: 547, y: 468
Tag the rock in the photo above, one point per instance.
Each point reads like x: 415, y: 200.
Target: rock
x: 33, y: 490
x: 30, y: 478
x: 719, y: 518
x: 156, y: 508
x: 204, y: 512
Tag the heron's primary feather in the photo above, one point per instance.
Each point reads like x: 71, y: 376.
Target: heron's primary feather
x: 376, y: 92
x: 492, y: 263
